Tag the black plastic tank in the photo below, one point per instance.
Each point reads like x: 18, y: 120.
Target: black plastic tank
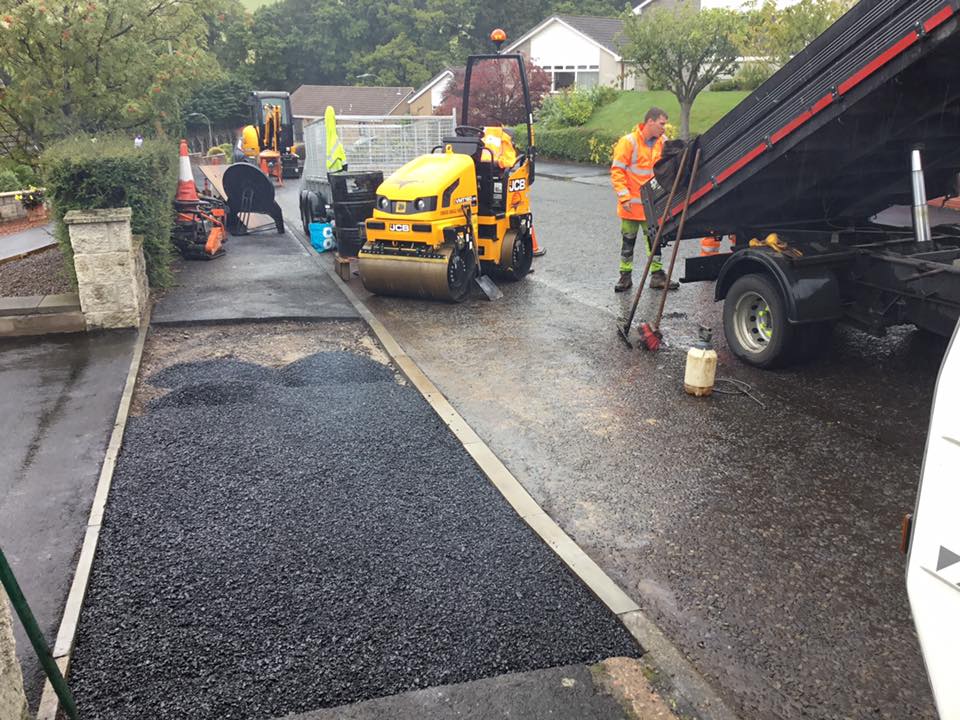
x: 353, y: 195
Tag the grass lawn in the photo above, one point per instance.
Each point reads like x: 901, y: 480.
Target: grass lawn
x: 627, y: 110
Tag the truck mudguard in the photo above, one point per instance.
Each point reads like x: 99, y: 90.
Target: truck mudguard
x: 812, y: 294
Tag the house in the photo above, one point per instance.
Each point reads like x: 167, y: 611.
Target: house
x: 309, y: 102
x: 577, y: 51
x: 427, y: 97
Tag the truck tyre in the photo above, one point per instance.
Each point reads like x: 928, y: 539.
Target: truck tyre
x: 755, y: 322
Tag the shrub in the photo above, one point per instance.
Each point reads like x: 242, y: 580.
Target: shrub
x: 9, y: 181
x: 603, y: 95
x: 571, y: 108
x: 84, y: 173
x: 27, y: 175
x: 31, y: 198
x: 576, y: 144
x: 752, y: 74
x: 725, y: 85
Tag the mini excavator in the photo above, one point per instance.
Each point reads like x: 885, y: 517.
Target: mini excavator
x: 446, y: 219
x: 268, y: 142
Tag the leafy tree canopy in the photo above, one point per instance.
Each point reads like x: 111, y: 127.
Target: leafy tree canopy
x: 97, y: 65
x: 496, y: 93
x: 780, y: 33
x: 682, y: 50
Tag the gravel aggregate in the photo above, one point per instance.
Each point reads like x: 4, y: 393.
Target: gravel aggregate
x: 39, y: 274
x: 284, y: 540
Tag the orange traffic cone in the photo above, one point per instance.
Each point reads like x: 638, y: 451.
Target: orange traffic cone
x: 537, y: 250
x: 186, y: 187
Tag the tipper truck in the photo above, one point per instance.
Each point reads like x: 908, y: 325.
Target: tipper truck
x: 806, y: 173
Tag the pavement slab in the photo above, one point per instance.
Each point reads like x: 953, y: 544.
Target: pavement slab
x: 287, y: 536
x: 60, y: 398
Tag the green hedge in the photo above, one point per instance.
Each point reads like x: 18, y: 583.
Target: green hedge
x: 577, y: 144
x: 84, y: 173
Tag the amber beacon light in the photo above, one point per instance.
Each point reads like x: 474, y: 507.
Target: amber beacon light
x: 499, y: 37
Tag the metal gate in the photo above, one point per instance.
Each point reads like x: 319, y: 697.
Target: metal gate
x: 376, y: 142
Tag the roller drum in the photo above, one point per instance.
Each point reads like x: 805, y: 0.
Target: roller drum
x: 447, y: 277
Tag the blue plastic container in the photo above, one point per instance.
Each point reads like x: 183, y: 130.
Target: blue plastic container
x: 321, y: 236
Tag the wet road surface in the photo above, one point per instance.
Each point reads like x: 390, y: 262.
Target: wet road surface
x: 762, y: 540
x: 60, y: 399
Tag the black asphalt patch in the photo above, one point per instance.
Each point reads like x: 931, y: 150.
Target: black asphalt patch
x: 278, y: 541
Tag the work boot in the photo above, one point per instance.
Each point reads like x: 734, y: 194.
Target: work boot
x: 658, y: 281
x: 624, y: 283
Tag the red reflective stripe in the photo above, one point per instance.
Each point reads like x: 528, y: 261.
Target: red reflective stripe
x: 866, y: 71
x: 741, y: 162
x: 878, y: 62
x: 701, y: 192
x: 822, y: 103
x: 790, y: 126
x: 940, y: 17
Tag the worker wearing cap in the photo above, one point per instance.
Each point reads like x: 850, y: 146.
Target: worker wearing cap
x: 634, y: 156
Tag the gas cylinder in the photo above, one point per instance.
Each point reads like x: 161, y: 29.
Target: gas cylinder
x: 701, y: 365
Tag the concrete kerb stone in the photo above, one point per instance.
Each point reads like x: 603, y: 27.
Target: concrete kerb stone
x: 66, y: 635
x: 682, y: 678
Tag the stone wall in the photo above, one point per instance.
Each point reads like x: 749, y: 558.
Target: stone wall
x: 13, y: 703
x: 111, y: 271
x: 10, y: 207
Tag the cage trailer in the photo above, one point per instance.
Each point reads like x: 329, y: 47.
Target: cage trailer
x: 808, y: 174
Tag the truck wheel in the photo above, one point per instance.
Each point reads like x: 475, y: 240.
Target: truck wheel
x: 755, y: 322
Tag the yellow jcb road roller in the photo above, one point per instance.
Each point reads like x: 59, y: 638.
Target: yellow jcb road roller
x: 464, y: 210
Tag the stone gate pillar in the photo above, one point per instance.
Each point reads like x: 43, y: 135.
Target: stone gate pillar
x: 111, y: 272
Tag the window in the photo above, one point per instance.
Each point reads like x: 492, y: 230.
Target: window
x: 563, y: 80
x: 588, y: 79
x: 565, y: 77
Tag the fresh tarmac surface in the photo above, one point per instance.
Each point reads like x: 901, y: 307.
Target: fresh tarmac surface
x: 60, y: 398
x: 304, y: 535
x: 260, y: 275
x: 763, y: 540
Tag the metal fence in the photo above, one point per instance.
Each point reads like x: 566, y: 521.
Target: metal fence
x: 376, y: 142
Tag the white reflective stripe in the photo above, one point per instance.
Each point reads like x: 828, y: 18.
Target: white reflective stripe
x: 623, y: 192
x: 618, y: 164
x: 642, y: 171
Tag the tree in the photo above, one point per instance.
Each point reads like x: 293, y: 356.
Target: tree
x: 682, y: 50
x: 95, y: 66
x: 780, y: 33
x: 496, y: 93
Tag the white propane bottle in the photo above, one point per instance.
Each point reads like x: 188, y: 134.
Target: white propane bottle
x: 701, y: 366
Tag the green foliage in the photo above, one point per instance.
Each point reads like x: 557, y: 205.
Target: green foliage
x: 571, y: 108
x: 724, y: 85
x: 86, y: 173
x: 223, y: 100
x: 9, y: 181
x: 576, y: 144
x: 95, y: 66
x: 682, y: 50
x: 752, y: 75
x: 780, y: 33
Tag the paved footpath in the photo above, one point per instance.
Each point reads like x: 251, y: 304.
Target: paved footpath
x: 60, y: 398
x: 26, y: 241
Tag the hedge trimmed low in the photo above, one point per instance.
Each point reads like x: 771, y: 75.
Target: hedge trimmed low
x: 85, y: 173
x: 577, y: 144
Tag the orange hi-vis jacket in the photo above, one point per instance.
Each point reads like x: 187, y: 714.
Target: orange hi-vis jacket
x: 498, y: 142
x: 632, y: 168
